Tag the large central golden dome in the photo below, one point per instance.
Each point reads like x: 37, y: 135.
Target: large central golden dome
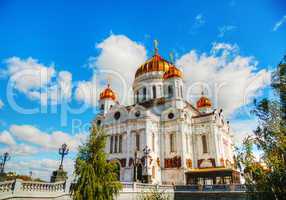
x: 159, y: 64
x: 156, y: 63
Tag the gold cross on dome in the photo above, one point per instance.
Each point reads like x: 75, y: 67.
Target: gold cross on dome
x: 171, y: 55
x: 202, y: 88
x: 108, y: 78
x: 156, y: 43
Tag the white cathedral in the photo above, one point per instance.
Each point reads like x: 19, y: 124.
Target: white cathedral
x: 162, y: 138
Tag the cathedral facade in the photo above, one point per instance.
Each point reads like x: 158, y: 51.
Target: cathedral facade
x: 162, y: 138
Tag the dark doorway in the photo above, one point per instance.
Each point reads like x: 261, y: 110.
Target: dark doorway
x: 138, y: 171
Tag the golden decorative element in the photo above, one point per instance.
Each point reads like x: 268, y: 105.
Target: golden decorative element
x: 156, y: 64
x: 204, y: 102
x: 172, y: 72
x: 174, y: 162
x: 189, y: 163
x: 222, y: 163
x: 158, y: 162
x: 208, y: 169
x: 107, y: 93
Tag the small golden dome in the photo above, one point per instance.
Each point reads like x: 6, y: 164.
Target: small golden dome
x: 204, y: 102
x: 107, y: 93
x: 172, y: 72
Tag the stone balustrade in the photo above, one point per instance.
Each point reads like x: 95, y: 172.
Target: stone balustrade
x: 19, y: 189
x: 31, y: 186
x: 6, y: 186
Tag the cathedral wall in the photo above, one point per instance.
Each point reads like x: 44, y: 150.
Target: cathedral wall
x: 173, y: 176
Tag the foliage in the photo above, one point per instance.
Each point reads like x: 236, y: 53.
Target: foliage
x: 96, y: 179
x: 12, y: 176
x: 268, y: 181
x: 154, y: 194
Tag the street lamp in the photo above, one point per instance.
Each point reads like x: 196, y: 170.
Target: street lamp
x: 135, y: 163
x: 4, y: 158
x: 146, y: 152
x: 63, y: 151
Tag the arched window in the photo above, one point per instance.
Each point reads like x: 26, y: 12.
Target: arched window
x: 144, y: 93
x: 181, y: 91
x: 137, y: 96
x: 120, y: 144
x: 153, y: 142
x: 116, y: 142
x: 205, y: 146
x: 170, y: 90
x: 102, y: 107
x: 111, y: 144
x: 177, y: 89
x: 137, y: 142
x: 160, y: 93
x: 172, y: 142
x: 154, y: 91
x: 187, y: 143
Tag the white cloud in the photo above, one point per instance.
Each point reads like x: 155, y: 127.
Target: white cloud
x: 230, y: 79
x: 87, y: 92
x: 6, y: 138
x: 118, y: 61
x: 65, y: 84
x: 1, y: 104
x: 126, y: 54
x: 40, y: 168
x: 12, y: 147
x: 20, y: 150
x: 50, y: 141
x: 224, y: 29
x: 242, y: 128
x: 200, y: 20
x: 37, y: 81
x: 279, y: 23
x: 28, y: 74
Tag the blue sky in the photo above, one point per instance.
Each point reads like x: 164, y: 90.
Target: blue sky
x: 67, y: 38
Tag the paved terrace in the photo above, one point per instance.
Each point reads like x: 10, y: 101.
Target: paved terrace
x: 19, y: 189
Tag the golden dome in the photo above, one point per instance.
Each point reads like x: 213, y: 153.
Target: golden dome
x: 156, y: 63
x: 204, y: 102
x: 172, y: 72
x: 107, y: 93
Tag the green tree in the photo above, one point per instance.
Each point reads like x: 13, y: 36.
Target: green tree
x: 268, y: 182
x: 95, y: 178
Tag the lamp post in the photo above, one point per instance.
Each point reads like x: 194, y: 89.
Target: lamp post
x: 60, y: 174
x: 146, y: 151
x: 63, y: 151
x: 136, y: 162
x: 4, y: 158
